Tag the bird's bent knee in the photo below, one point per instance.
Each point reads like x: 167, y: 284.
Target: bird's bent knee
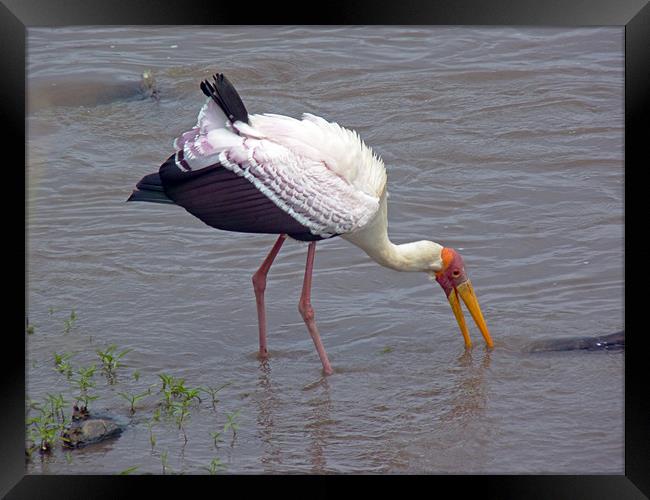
x: 259, y: 282
x: 306, y: 311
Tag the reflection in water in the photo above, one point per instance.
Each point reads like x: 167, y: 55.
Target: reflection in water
x: 266, y: 402
x: 462, y: 435
x: 317, y: 422
x: 319, y: 425
x: 469, y: 400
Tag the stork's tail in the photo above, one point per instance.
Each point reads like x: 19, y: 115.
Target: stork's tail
x: 150, y: 189
x: 225, y: 95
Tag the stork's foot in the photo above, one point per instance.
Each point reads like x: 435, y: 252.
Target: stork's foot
x: 263, y: 354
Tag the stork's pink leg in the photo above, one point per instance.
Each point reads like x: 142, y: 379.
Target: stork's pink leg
x: 259, y: 285
x: 307, y: 311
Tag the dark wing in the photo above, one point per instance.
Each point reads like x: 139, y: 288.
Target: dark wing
x: 227, y: 201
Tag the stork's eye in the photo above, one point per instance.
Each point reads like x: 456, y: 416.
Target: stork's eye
x: 455, y: 273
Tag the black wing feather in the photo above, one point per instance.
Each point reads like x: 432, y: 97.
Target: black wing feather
x: 224, y: 94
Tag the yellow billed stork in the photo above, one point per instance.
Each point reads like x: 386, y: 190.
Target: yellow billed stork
x: 307, y: 179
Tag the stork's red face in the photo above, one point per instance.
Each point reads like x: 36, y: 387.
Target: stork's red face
x: 454, y: 281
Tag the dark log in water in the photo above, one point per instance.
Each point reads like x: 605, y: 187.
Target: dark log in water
x: 615, y: 341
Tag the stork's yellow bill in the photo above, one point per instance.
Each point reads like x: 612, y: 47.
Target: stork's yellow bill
x: 454, y: 281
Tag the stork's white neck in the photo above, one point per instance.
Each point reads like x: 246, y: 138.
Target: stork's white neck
x: 373, y: 239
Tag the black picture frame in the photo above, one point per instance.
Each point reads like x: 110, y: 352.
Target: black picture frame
x: 17, y: 15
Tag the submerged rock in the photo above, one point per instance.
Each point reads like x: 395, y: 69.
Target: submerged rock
x: 90, y: 90
x: 87, y: 430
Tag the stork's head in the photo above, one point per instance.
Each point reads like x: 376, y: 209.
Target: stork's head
x: 454, y: 281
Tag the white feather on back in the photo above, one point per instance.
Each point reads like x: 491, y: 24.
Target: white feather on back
x: 319, y: 172
x: 341, y: 149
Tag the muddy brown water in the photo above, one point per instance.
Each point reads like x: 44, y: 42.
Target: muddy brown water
x: 505, y: 143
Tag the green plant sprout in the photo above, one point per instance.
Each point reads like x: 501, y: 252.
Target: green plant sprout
x: 174, y: 389
x: 44, y: 431
x: 232, y: 424
x: 216, y: 438
x: 111, y: 361
x: 83, y: 384
x: 56, y: 403
x: 128, y: 471
x: 69, y: 323
x: 212, y: 392
x: 181, y: 412
x: 215, y: 466
x: 62, y: 365
x: 134, y: 398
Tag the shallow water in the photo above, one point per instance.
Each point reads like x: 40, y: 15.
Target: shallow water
x: 505, y: 143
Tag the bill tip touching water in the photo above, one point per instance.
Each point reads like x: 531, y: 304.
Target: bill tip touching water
x: 306, y: 179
